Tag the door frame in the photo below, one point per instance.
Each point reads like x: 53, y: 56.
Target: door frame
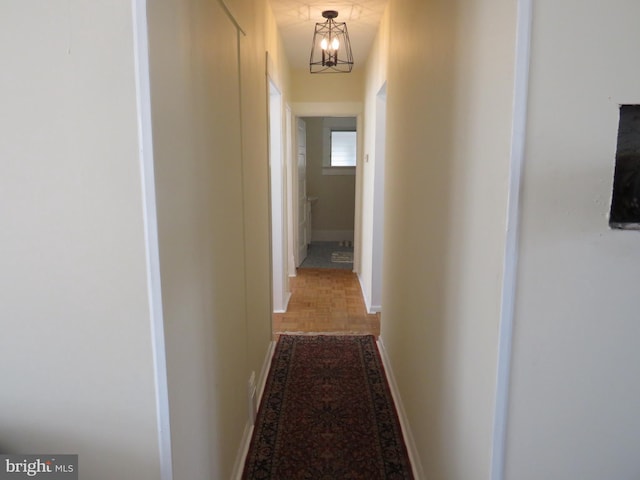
x: 278, y: 200
x: 377, y: 235
x: 289, y: 142
x: 295, y: 190
x: 524, y: 29
x: 342, y: 109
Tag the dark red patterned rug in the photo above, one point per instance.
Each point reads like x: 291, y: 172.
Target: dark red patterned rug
x: 327, y: 413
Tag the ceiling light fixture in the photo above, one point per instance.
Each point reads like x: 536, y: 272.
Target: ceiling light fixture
x: 331, y: 47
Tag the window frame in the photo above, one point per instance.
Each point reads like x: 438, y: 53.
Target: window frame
x: 338, y: 124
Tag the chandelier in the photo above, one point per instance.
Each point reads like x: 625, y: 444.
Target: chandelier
x: 331, y: 47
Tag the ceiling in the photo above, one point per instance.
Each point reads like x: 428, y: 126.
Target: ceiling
x: 296, y: 20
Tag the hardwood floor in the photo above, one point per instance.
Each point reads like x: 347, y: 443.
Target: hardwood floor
x: 326, y: 300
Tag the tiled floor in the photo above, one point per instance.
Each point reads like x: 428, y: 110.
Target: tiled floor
x: 320, y: 254
x: 326, y: 300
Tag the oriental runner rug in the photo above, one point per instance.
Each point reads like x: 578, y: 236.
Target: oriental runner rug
x: 327, y: 413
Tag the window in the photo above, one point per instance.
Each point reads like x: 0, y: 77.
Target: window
x: 343, y: 149
x: 339, y: 145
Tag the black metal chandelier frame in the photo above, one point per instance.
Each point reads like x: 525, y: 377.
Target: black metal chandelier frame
x: 331, y: 47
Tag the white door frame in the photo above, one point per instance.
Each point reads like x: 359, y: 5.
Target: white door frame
x: 296, y: 196
x: 291, y: 172
x: 342, y: 109
x: 150, y: 219
x: 378, y: 201
x: 277, y: 169
x: 509, y: 278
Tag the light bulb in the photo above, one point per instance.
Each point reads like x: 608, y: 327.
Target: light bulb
x: 335, y: 43
x: 324, y: 44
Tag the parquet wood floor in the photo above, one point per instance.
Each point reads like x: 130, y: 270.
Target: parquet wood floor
x: 326, y: 300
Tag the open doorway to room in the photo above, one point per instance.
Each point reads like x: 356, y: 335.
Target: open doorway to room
x: 326, y: 202
x: 330, y: 177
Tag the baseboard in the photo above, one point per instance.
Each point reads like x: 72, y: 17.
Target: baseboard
x: 286, y: 304
x: 372, y: 309
x: 331, y: 235
x: 414, y: 458
x: 365, y: 297
x: 241, y: 456
x: 238, y: 465
x: 264, y: 372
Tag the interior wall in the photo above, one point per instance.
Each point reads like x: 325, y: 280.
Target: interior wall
x: 333, y: 211
x: 77, y: 361
x: 307, y: 87
x: 209, y: 104
x: 449, y: 114
x: 576, y: 361
x: 256, y: 17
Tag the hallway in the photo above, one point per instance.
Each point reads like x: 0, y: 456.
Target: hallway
x: 325, y: 300
x: 136, y: 260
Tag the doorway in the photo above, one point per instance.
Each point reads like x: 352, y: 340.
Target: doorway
x: 328, y: 299
x: 328, y: 148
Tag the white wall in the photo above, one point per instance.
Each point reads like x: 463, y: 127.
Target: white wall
x: 576, y: 356
x: 449, y: 101
x: 75, y: 351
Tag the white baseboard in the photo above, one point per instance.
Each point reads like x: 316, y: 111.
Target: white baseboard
x: 241, y: 456
x: 286, y: 304
x: 414, y: 458
x: 264, y: 372
x: 331, y: 235
x: 365, y: 297
x: 367, y: 302
x: 238, y: 465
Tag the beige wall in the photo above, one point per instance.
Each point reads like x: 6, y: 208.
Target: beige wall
x: 76, y: 358
x: 576, y: 361
x: 262, y: 36
x: 333, y: 212
x: 449, y: 97
x: 210, y: 141
x: 197, y: 145
x: 78, y: 364
x: 339, y: 87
